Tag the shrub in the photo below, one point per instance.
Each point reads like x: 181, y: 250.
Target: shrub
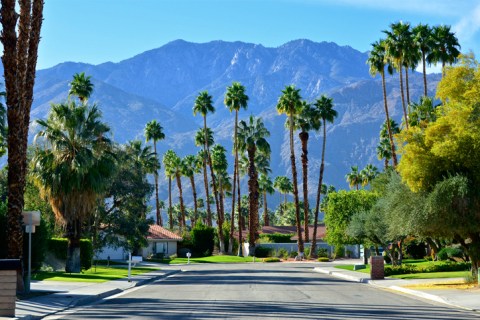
x: 262, y: 252
x: 58, y: 247
x: 323, y: 259
x: 306, y: 251
x: 415, y: 250
x: 322, y: 252
x: 449, y: 253
x: 202, y: 240
x: 293, y: 254
x: 431, y: 267
x: 277, y: 238
x: 339, y: 251
x: 271, y: 259
x: 282, y: 253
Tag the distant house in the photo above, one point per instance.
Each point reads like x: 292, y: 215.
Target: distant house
x: 161, y: 240
x: 293, y: 230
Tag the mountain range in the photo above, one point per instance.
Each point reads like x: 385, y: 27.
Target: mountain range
x: 163, y: 83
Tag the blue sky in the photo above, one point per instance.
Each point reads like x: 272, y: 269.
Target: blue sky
x: 96, y: 31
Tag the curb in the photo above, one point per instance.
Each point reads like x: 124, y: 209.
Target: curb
x: 342, y: 275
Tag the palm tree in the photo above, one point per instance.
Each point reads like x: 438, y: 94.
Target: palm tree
x: 397, y: 42
x: 154, y: 131
x: 265, y: 186
x: 192, y: 165
x: 326, y: 112
x: 284, y: 186
x: 169, y: 174
x: 384, y: 151
x: 289, y: 103
x: 200, y: 136
x: 422, y: 113
x: 305, y: 120
x: 423, y: 38
x: 354, y: 178
x: 204, y: 105
x: 445, y: 47
x: 73, y: 167
x: 81, y: 87
x: 367, y: 174
x: 219, y: 166
x: 175, y: 168
x: 251, y: 139
x: 235, y: 99
x: 377, y: 61
x: 410, y: 61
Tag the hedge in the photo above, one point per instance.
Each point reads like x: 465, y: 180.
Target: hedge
x: 277, y: 238
x: 59, y: 246
x: 441, y: 267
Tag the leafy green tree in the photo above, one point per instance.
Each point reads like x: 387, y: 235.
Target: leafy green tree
x: 327, y: 113
x: 340, y: 208
x: 81, y: 87
x: 154, y: 131
x: 72, y: 167
x: 289, y: 103
x: 378, y: 59
x: 235, y: 99
x: 123, y: 213
x: 252, y: 139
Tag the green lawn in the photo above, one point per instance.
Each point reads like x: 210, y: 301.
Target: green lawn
x: 215, y: 259
x: 100, y: 274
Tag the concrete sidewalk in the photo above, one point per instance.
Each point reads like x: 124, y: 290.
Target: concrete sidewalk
x: 461, y: 298
x: 65, y: 295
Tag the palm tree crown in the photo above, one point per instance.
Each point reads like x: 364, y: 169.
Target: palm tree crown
x: 81, y: 87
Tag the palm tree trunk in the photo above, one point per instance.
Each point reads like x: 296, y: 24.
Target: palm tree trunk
x: 295, y: 192
x: 72, y: 264
x: 403, y: 97
x: 266, y: 219
x: 182, y: 208
x: 304, y: 139
x: 205, y: 180
x: 170, y: 215
x: 385, y: 163
x: 313, y: 248
x: 387, y: 116
x: 408, y: 88
x: 195, y: 206
x: 424, y: 74
x: 235, y: 174
x: 155, y: 175
x: 239, y: 213
x: 253, y: 202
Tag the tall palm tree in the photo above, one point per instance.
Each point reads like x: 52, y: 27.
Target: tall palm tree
x: 397, y: 42
x: 305, y: 120
x: 81, y: 87
x: 252, y: 139
x: 326, y: 112
x: 204, y: 105
x: 169, y: 174
x: 192, y: 165
x: 265, y: 185
x: 422, y: 113
x: 445, y: 49
x: 235, y: 99
x: 200, y: 136
x: 354, y: 178
x: 411, y: 59
x: 72, y: 168
x: 289, y: 103
x: 175, y: 169
x: 378, y: 61
x: 219, y: 166
x: 367, y: 174
x: 154, y: 131
x: 284, y: 186
x: 422, y: 34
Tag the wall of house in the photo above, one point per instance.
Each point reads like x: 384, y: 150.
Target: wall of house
x: 113, y: 253
x: 166, y: 247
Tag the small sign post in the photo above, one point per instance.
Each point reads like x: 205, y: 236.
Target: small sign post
x: 188, y: 257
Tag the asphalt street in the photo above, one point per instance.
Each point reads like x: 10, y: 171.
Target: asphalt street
x: 260, y: 291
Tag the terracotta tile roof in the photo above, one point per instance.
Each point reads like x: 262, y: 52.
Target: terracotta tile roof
x: 160, y: 233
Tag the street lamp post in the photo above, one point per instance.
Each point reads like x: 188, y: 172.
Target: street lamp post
x: 30, y: 220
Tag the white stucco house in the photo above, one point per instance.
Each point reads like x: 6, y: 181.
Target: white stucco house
x: 160, y: 240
